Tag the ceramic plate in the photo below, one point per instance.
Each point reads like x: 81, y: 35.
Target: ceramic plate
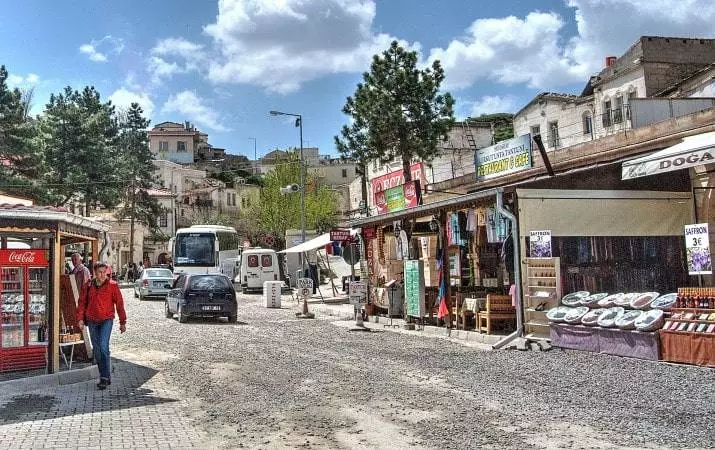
x: 625, y: 301
x: 610, y: 301
x: 650, y: 320
x: 626, y: 321
x: 557, y: 314
x: 574, y: 298
x: 664, y: 302
x: 593, y: 299
x: 591, y: 317
x: 574, y: 316
x: 609, y: 317
x: 643, y: 301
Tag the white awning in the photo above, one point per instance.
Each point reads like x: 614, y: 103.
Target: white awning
x: 693, y: 151
x: 318, y: 242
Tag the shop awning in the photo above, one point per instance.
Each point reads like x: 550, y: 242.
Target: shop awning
x: 693, y: 151
x: 318, y: 242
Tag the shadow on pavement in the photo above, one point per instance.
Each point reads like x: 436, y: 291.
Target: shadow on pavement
x: 126, y: 391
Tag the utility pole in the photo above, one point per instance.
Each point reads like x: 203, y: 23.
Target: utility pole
x: 255, y: 154
x: 132, y: 214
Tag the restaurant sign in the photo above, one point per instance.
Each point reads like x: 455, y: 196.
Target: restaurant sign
x: 503, y: 158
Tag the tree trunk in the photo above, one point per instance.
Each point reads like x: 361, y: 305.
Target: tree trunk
x: 363, y: 188
x: 131, y: 224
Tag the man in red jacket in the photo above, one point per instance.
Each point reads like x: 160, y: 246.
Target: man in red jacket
x: 100, y: 297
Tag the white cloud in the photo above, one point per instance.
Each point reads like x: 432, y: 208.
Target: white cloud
x: 535, y: 51
x: 18, y: 81
x: 279, y: 45
x: 172, y: 56
x: 123, y: 98
x: 190, y: 106
x: 488, y: 104
x: 98, y: 49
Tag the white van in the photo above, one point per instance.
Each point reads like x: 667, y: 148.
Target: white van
x: 257, y: 265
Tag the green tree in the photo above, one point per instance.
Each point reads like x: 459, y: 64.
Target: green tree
x: 137, y: 166
x: 503, y: 125
x: 21, y: 161
x: 275, y: 212
x: 398, y: 111
x: 79, y: 136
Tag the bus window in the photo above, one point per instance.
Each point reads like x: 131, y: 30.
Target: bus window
x: 194, y: 249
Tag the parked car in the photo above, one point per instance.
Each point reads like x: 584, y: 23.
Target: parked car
x: 202, y: 295
x: 154, y: 283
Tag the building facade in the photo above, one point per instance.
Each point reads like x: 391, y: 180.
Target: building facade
x: 175, y: 142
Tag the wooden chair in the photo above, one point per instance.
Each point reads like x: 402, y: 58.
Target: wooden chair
x: 497, y: 309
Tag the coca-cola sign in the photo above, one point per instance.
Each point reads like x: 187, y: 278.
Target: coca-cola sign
x: 21, y: 257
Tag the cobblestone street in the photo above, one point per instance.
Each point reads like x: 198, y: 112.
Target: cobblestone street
x: 273, y: 381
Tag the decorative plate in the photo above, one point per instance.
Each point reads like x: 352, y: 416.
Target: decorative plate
x: 644, y: 300
x: 593, y: 299
x: 610, y: 301
x: 609, y: 317
x: 557, y: 314
x: 650, y: 320
x: 664, y: 302
x: 625, y: 301
x: 574, y: 298
x: 591, y: 317
x: 626, y: 321
x: 574, y: 316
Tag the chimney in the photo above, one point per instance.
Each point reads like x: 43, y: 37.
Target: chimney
x: 610, y: 61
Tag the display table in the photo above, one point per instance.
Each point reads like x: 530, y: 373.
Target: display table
x: 689, y: 348
x: 609, y: 341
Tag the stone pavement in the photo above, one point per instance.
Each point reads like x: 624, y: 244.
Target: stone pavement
x: 137, y: 411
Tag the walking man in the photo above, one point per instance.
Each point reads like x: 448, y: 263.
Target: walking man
x: 101, y: 297
x: 79, y: 267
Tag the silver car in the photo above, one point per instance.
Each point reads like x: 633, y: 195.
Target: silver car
x: 153, y: 283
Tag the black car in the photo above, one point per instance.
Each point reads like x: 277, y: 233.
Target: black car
x: 202, y: 295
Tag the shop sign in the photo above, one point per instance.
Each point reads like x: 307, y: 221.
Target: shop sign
x: 512, y: 155
x: 21, y: 257
x: 305, y: 287
x: 369, y: 233
x: 394, y: 179
x: 697, y: 247
x: 358, y: 292
x: 340, y: 235
x: 540, y: 244
x: 414, y: 287
x: 398, y: 198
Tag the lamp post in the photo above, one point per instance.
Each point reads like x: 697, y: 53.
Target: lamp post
x: 255, y: 157
x: 299, y: 124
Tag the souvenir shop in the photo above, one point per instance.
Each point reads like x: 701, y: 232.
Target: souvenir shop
x: 33, y: 328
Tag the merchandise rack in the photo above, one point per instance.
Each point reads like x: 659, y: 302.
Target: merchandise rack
x: 542, y: 275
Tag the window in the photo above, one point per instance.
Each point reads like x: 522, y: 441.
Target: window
x: 180, y: 146
x: 587, y: 123
x: 163, y: 219
x: 535, y: 130
x: 345, y: 173
x: 233, y: 199
x: 606, y: 118
x: 252, y: 260
x: 228, y: 199
x: 266, y: 261
x: 631, y: 96
x: 618, y: 110
x: 163, y: 146
x: 553, y: 134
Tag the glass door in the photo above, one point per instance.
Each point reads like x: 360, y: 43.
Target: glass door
x: 37, y: 283
x: 12, y: 305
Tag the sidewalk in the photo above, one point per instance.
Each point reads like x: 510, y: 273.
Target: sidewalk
x: 137, y: 411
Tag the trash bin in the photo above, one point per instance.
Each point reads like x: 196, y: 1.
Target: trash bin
x: 396, y: 298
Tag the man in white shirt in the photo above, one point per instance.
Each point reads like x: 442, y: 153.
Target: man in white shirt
x: 79, y: 267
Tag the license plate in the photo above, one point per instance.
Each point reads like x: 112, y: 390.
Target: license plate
x: 211, y: 308
x: 158, y: 284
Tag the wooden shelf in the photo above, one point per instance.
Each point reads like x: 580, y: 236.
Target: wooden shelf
x: 543, y: 278
x: 692, y: 320
x: 542, y: 287
x: 547, y: 270
x: 693, y: 309
x: 535, y: 311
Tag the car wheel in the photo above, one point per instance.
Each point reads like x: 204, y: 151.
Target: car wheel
x: 182, y: 317
x: 141, y: 298
x: 167, y: 311
x: 233, y: 318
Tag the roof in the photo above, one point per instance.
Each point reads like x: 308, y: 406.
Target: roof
x: 550, y: 96
x: 674, y: 87
x: 49, y: 214
x: 154, y: 192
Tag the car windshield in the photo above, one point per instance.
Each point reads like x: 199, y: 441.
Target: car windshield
x: 209, y: 283
x: 194, y: 249
x: 159, y: 273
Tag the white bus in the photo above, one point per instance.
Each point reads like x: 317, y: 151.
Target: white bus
x: 204, y: 248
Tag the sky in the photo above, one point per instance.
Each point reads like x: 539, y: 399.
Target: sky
x: 223, y: 65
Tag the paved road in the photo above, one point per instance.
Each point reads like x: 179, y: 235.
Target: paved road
x: 274, y: 381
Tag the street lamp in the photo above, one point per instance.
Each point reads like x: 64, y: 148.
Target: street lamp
x: 255, y: 157
x: 299, y: 124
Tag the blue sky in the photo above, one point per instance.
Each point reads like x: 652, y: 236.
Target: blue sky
x: 224, y: 64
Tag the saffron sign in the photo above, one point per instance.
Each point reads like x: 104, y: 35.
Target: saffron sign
x: 23, y: 257
x: 503, y: 158
x: 697, y: 248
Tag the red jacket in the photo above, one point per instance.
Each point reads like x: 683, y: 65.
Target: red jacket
x: 97, y: 303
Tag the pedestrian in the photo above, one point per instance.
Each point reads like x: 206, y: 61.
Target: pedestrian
x: 79, y: 267
x: 140, y: 269
x: 131, y: 272
x: 101, y: 297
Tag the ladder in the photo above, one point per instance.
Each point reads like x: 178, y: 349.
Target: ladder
x: 467, y: 131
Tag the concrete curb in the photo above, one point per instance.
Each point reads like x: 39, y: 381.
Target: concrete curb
x: 50, y: 380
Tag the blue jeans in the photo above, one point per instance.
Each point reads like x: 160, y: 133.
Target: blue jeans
x: 100, y: 332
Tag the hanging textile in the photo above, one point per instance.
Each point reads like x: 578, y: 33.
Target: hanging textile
x: 471, y: 220
x: 450, y: 230
x: 442, y: 293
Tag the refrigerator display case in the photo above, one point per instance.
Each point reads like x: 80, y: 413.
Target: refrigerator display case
x: 24, y: 304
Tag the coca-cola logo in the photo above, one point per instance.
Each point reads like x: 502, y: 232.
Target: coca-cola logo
x: 22, y: 257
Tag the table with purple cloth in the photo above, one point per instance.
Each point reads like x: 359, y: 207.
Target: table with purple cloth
x: 610, y: 341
